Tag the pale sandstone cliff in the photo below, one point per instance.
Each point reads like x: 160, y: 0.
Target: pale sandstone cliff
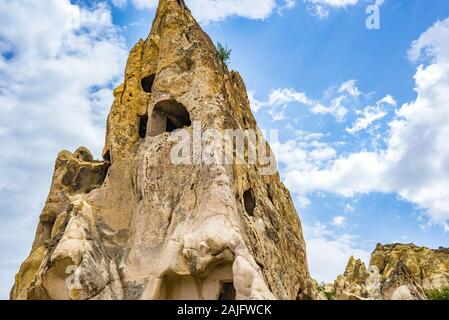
x: 137, y: 226
x: 396, y: 272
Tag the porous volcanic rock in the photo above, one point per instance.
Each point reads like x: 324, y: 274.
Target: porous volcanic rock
x: 396, y: 272
x: 139, y: 226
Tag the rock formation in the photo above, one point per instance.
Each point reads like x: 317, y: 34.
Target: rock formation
x: 139, y: 226
x: 428, y: 267
x: 396, y: 272
x: 352, y: 282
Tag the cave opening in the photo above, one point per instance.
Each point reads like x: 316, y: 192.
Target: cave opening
x: 147, y: 83
x: 227, y: 291
x: 143, y: 122
x: 168, y: 116
x: 107, y: 156
x: 249, y: 201
x: 170, y: 127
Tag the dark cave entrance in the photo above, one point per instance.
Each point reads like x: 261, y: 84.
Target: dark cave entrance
x: 143, y: 123
x: 249, y: 201
x: 227, y: 291
x: 107, y: 156
x: 168, y: 116
x: 147, y: 83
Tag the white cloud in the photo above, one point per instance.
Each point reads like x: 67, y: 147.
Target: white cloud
x: 144, y: 4
x: 339, y: 221
x: 349, y: 208
x: 292, y: 155
x: 306, y: 153
x: 328, y: 254
x: 415, y: 163
x: 285, y: 96
x: 208, y: 11
x: 431, y: 44
x: 57, y: 63
x: 320, y: 11
x: 350, y: 88
x: 369, y: 115
x: 279, y: 99
x: 278, y: 116
x: 138, y: 4
x: 255, y: 104
x: 387, y: 100
x: 303, y: 153
x: 321, y: 8
x: 336, y: 108
x: 323, y: 154
x: 119, y: 3
x: 372, y: 114
x: 334, y: 3
x: 289, y: 4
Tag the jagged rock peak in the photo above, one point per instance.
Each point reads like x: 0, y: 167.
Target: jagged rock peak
x: 396, y: 272
x: 143, y: 225
x: 351, y: 285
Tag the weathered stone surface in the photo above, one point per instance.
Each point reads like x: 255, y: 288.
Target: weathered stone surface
x: 400, y: 285
x: 138, y: 226
x: 312, y: 291
x: 396, y: 272
x: 352, y: 281
x: 75, y: 175
x: 429, y: 268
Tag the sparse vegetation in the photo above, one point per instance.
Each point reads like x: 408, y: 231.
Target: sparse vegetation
x: 224, y: 52
x: 441, y: 294
x: 330, y: 295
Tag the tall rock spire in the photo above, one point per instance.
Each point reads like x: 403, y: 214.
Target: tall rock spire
x: 146, y: 223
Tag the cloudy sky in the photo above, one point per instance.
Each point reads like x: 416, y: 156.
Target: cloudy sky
x: 363, y: 114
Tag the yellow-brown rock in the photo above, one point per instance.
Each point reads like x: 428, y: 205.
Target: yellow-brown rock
x: 396, y: 272
x: 353, y: 281
x: 137, y: 225
x: 428, y: 267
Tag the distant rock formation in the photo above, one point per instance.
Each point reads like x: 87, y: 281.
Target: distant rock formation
x: 396, y: 272
x: 138, y: 226
x: 352, y: 282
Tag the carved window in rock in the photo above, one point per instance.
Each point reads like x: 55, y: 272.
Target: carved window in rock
x: 249, y: 202
x: 143, y: 123
x: 168, y: 116
x: 147, y: 83
x: 227, y: 291
x: 107, y: 156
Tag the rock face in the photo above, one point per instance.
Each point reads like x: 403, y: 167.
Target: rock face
x: 396, y: 272
x: 400, y: 285
x: 139, y: 226
x: 429, y: 268
x: 353, y: 281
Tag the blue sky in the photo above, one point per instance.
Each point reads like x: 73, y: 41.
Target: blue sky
x: 363, y: 115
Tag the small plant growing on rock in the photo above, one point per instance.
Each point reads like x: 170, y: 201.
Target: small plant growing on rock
x: 330, y: 295
x: 224, y: 52
x: 442, y: 294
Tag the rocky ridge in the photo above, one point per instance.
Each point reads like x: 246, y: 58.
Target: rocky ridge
x: 395, y: 272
